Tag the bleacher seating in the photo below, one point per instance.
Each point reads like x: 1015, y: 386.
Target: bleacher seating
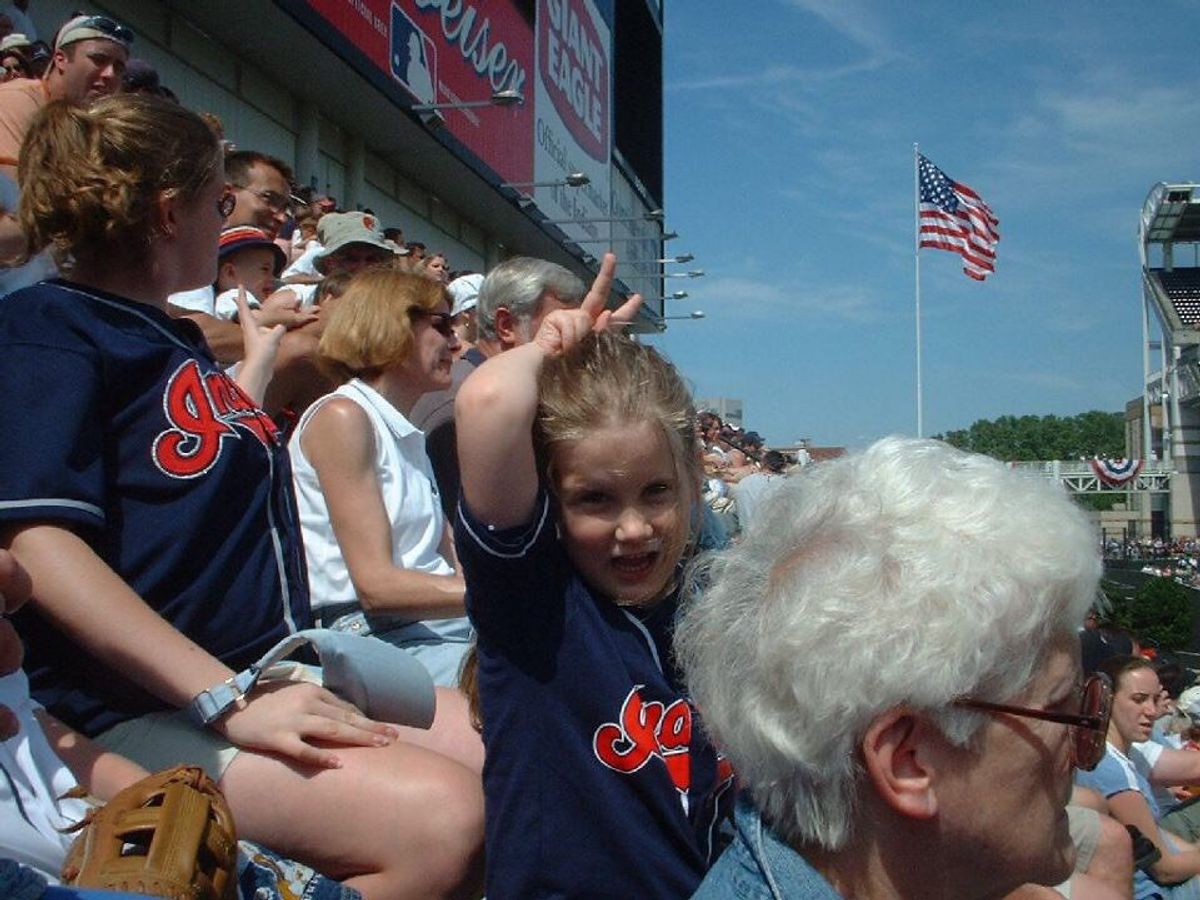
x: 1182, y: 286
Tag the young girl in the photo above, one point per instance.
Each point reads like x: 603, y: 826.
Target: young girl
x: 580, y: 486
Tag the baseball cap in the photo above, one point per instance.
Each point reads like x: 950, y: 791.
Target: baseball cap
x: 87, y: 27
x: 241, y: 237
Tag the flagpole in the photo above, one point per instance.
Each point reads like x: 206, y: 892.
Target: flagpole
x: 917, y: 257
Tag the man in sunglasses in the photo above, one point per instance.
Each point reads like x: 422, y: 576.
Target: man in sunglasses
x: 89, y: 57
x: 890, y: 662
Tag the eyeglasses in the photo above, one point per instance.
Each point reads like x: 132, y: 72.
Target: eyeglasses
x: 108, y: 26
x: 439, y: 321
x: 1088, y: 727
x: 275, y: 202
x: 226, y: 204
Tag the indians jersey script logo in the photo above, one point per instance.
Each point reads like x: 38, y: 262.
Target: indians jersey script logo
x: 203, y: 411
x: 647, y: 730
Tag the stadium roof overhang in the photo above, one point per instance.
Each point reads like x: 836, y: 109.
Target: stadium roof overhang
x: 260, y: 30
x: 1171, y: 214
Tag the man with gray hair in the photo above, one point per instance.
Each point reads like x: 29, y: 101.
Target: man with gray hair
x: 889, y: 660
x: 512, y: 300
x: 516, y: 295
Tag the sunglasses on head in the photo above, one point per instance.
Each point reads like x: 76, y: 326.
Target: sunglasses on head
x: 1088, y: 729
x: 107, y: 26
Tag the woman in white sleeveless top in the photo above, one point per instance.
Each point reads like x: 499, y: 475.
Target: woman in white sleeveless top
x: 379, y: 553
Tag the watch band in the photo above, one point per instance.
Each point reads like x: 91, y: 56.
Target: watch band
x: 208, y: 706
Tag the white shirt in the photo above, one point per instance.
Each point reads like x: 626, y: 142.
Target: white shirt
x: 31, y: 815
x: 410, y: 498
x: 304, y: 263
x: 201, y: 300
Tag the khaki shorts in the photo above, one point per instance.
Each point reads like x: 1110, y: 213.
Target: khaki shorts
x: 158, y: 741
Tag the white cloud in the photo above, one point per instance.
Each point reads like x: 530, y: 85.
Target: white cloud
x: 752, y: 298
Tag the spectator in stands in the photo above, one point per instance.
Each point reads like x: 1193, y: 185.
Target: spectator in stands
x: 849, y: 655
x: 248, y: 262
x: 416, y: 251
x: 749, y: 492
x: 510, y: 305
x: 12, y: 56
x: 395, y: 236
x: 87, y: 63
x: 14, y: 65
x: 88, y: 59
x: 352, y: 242
x: 464, y: 291
x: 590, y: 740
x: 260, y: 186
x: 150, y: 501
x: 1132, y: 765
x: 436, y: 268
x: 379, y: 552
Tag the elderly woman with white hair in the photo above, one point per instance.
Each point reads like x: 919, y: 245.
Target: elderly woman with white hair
x: 890, y: 664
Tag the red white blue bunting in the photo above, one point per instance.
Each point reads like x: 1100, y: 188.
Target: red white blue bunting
x: 1116, y: 472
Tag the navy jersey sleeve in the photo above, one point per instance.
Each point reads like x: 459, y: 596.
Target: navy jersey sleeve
x: 515, y: 577
x: 51, y: 457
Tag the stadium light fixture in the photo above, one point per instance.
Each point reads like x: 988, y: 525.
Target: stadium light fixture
x: 654, y: 215
x: 574, y: 179
x: 507, y: 97
x: 681, y: 258
x: 694, y: 314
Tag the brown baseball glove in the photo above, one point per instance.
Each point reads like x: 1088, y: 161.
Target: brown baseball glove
x: 169, y: 835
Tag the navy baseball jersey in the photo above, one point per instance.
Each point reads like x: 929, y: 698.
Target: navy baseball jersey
x: 598, y: 778
x: 123, y: 428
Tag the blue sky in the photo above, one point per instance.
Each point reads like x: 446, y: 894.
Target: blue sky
x: 789, y: 133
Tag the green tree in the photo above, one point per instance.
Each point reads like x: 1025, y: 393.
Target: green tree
x: 1161, y: 609
x: 1022, y: 438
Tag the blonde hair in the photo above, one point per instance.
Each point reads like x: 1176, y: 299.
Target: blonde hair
x: 91, y: 178
x: 371, y: 328
x: 610, y: 379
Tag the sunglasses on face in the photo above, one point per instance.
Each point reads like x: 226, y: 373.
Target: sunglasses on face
x: 439, y: 321
x: 1088, y: 728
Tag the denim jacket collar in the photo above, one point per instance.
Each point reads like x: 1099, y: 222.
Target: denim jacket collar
x: 786, y: 874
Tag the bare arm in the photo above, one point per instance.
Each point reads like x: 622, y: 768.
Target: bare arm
x: 76, y: 591
x: 224, y: 338
x: 261, y: 341
x: 495, y: 408
x: 340, y: 444
x: 1174, y: 767
x: 101, y: 772
x: 1130, y: 808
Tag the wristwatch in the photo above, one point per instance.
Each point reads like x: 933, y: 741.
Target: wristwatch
x: 208, y: 706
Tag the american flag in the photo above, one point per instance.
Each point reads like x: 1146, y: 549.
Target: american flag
x: 955, y: 218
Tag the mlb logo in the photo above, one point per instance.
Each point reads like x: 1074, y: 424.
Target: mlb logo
x: 413, y: 57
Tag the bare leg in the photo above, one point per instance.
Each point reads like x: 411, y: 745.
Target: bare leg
x: 1113, y: 863
x: 393, y: 822
x: 451, y: 734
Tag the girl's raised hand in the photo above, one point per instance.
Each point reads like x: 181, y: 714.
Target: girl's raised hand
x: 562, y: 329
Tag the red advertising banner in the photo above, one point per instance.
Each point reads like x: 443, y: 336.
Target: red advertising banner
x: 451, y: 51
